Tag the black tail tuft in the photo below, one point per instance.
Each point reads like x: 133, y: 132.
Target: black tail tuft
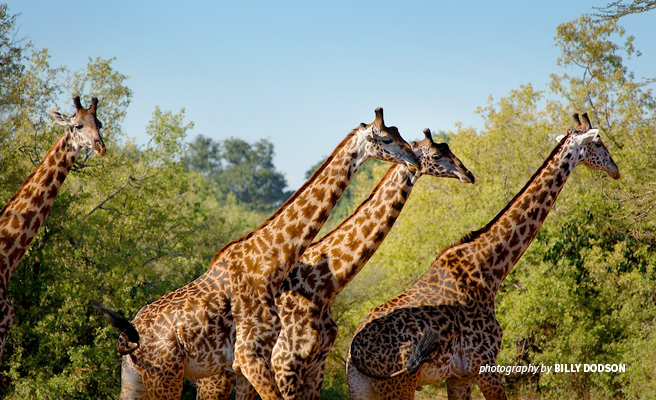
x: 119, y: 322
x: 427, y: 345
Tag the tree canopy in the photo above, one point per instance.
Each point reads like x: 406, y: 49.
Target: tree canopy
x: 240, y: 169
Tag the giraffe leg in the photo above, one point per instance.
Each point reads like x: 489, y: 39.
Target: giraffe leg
x: 7, y: 315
x: 290, y: 383
x: 132, y: 387
x: 359, y: 385
x: 141, y: 380
x: 362, y: 387
x: 491, y: 385
x: 164, y: 385
x: 215, y: 387
x: 314, y: 377
x: 289, y: 359
x: 245, y: 391
x: 458, y: 389
x: 253, y: 346
x: 298, y: 343
x: 257, y: 370
x: 400, y: 388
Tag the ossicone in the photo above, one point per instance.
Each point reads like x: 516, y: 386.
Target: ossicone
x: 586, y: 121
x: 94, y: 104
x: 78, y: 104
x: 429, y: 135
x: 379, y: 122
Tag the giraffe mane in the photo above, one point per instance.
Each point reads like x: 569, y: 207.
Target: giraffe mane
x: 473, y: 235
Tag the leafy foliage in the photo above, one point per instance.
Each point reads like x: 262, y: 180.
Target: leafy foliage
x: 240, y: 169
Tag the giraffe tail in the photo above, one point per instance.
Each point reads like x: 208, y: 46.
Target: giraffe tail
x: 125, y: 327
x: 427, y: 345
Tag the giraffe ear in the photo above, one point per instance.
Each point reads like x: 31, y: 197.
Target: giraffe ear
x: 589, y: 136
x: 60, y: 118
x: 559, y: 138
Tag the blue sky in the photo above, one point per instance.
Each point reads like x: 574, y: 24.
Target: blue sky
x: 303, y: 74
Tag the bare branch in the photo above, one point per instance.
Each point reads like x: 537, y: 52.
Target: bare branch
x: 617, y: 9
x: 127, y: 182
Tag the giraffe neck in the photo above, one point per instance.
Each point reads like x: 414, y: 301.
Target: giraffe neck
x: 339, y: 256
x: 497, y: 247
x: 282, y: 238
x: 22, y: 216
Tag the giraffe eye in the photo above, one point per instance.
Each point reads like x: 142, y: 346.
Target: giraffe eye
x: 78, y: 127
x: 386, y: 140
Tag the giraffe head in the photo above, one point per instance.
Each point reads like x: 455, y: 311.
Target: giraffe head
x: 385, y: 143
x: 593, y: 153
x: 83, y: 125
x: 438, y: 160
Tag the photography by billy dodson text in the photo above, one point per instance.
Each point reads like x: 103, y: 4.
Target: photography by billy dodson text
x: 555, y: 369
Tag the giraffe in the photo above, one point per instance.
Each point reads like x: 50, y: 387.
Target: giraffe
x: 227, y: 319
x: 444, y: 326
x: 304, y: 299
x: 22, y: 216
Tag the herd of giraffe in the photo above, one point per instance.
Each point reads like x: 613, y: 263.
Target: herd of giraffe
x: 259, y: 318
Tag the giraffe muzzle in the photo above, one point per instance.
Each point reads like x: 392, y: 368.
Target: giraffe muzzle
x: 467, y: 177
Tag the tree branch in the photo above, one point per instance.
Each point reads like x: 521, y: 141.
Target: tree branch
x: 127, y: 182
x: 616, y: 9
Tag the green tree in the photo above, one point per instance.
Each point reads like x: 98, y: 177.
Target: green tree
x: 240, y: 169
x: 204, y: 156
x: 11, y: 61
